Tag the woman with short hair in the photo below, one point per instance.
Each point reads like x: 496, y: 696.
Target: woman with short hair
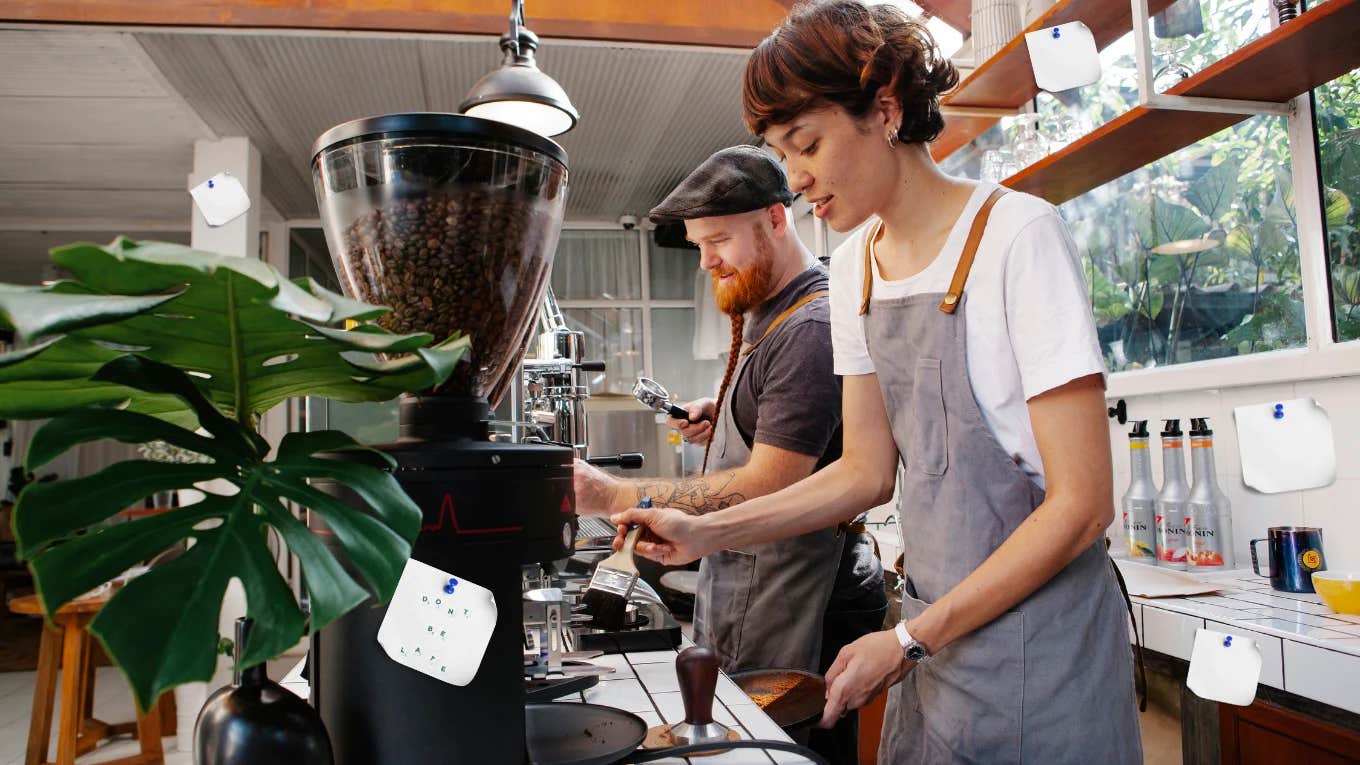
x: 962, y: 327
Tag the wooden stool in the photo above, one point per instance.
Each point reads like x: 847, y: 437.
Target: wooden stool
x: 66, y: 646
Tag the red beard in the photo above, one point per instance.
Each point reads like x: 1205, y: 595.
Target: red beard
x: 750, y: 286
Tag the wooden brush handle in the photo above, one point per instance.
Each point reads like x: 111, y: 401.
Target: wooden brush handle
x: 697, y: 670
x: 630, y: 541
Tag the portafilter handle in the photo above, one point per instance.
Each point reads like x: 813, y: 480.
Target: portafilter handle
x: 654, y: 396
x: 697, y: 670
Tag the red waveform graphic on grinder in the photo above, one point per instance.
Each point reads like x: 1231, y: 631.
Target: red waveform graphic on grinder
x: 446, y: 508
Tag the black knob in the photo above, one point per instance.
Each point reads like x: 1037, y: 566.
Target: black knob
x: 1120, y: 411
x: 627, y: 461
x: 591, y: 366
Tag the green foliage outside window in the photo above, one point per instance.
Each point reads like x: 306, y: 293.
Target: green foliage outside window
x: 1231, y: 198
x: 1337, y: 106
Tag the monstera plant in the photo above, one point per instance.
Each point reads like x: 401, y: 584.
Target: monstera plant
x: 157, y: 342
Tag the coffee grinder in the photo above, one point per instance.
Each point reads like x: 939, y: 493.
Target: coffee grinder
x: 452, y: 221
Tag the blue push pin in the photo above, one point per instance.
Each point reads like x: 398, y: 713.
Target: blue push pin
x: 448, y: 588
x: 1279, y: 411
x: 210, y: 183
x: 1056, y: 33
x: 1227, y: 641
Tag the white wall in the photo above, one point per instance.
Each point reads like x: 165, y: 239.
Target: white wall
x: 1336, y: 508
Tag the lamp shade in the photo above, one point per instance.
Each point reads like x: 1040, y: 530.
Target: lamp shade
x: 519, y: 93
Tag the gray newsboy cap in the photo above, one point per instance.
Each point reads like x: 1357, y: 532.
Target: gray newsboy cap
x: 735, y: 180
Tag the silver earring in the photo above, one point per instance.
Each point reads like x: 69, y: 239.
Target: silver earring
x: 892, y: 139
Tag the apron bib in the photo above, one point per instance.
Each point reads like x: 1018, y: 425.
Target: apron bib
x: 1050, y: 681
x: 761, y: 607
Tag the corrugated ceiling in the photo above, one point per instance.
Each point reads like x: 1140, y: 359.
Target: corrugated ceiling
x: 648, y: 114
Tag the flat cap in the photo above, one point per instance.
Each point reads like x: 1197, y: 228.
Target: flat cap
x: 734, y: 180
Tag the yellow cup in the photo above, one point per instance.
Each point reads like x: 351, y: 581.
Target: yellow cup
x: 1340, y: 590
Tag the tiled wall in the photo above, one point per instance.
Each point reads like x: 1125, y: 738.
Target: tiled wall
x: 1335, y: 508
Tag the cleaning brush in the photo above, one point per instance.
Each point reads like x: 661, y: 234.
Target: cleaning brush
x: 607, y: 597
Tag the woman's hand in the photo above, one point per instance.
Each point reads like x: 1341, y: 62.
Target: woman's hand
x: 669, y: 537
x: 862, y: 670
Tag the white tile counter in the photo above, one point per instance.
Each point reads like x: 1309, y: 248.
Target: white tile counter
x: 645, y: 684
x: 1306, y: 649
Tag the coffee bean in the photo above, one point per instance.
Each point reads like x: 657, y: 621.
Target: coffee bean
x: 441, y: 262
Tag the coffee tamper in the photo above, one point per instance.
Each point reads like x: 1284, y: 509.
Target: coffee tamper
x: 697, y: 670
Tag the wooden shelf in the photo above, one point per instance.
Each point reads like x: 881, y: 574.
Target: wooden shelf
x: 955, y: 13
x: 1006, y: 80
x: 1312, y: 50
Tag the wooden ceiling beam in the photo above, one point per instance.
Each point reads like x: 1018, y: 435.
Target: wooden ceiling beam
x: 679, y: 22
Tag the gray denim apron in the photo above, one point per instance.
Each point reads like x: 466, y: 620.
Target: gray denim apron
x: 1048, y: 682
x: 761, y: 607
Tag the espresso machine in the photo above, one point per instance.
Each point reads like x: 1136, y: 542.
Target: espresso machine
x: 452, y: 221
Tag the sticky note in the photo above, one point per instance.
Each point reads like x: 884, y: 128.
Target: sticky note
x: 1285, y: 445
x: 221, y: 199
x: 1063, y: 56
x: 1224, y: 667
x: 431, y: 630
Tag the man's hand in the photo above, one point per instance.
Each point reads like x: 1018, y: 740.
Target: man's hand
x: 597, y: 492
x: 698, y: 429
x: 862, y: 670
x: 669, y: 536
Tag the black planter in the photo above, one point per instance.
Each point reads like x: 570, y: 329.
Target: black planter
x: 256, y: 721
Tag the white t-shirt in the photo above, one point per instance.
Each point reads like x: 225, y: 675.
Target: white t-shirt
x: 1029, y: 326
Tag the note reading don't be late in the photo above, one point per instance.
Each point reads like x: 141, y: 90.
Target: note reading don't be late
x: 438, y: 623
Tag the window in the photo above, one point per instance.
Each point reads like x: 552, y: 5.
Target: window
x: 636, y: 303
x: 612, y: 335
x: 1337, y: 112
x: 597, y: 265
x: 1196, y: 256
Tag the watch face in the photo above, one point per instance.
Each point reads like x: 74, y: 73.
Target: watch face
x: 916, y: 653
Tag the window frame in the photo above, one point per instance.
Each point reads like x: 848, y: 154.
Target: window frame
x: 1322, y: 356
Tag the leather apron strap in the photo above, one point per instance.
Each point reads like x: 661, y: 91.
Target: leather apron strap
x: 951, y: 298
x: 787, y: 312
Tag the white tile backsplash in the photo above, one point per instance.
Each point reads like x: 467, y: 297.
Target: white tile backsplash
x: 1341, y: 399
x: 1253, y: 513
x: 1335, y: 508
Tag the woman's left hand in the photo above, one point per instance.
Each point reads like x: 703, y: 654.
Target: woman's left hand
x: 862, y: 670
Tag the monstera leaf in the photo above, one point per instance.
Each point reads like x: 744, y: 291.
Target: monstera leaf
x: 162, y: 343
x: 250, y: 337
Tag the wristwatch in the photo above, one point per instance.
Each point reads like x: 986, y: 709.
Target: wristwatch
x: 911, y: 647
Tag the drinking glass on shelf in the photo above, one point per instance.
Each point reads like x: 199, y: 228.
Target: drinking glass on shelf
x: 1067, y: 126
x: 997, y: 166
x: 1170, y: 50
x: 1028, y: 146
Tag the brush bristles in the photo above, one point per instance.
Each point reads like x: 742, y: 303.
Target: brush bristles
x: 606, y: 609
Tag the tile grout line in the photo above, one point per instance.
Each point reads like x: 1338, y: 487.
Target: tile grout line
x: 628, y: 659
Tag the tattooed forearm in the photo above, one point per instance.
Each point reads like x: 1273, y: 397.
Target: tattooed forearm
x: 695, y: 496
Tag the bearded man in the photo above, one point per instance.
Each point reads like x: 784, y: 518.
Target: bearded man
x: 790, y: 604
